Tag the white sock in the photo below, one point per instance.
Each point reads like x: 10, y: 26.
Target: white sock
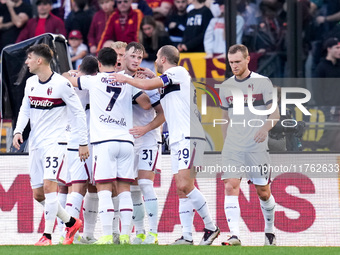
x: 62, y: 214
x: 90, y: 209
x: 73, y: 204
x: 51, y: 210
x: 106, y: 211
x: 116, y: 218
x: 138, y: 209
x: 186, y: 216
x: 232, y: 213
x: 268, y: 211
x: 62, y: 201
x: 125, y: 209
x: 200, y: 204
x: 150, y: 202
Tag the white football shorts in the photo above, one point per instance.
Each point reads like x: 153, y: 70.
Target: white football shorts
x: 146, y: 158
x: 45, y: 164
x: 187, y: 153
x: 113, y: 160
x: 252, y: 165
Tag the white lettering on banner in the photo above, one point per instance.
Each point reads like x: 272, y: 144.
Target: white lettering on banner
x: 44, y: 103
x: 301, y: 202
x: 238, y: 100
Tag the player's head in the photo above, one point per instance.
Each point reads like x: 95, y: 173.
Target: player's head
x: 134, y: 53
x: 119, y: 47
x: 39, y: 54
x: 107, y: 57
x: 167, y: 54
x: 89, y: 65
x: 238, y: 57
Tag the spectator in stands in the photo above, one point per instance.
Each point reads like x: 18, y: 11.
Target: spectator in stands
x: 143, y: 6
x: 153, y: 37
x: 176, y: 21
x: 160, y: 8
x: 77, y: 49
x: 214, y: 38
x: 13, y: 16
x: 327, y: 92
x: 197, y: 22
x: 98, y: 23
x: 80, y: 18
x: 46, y: 22
x: 123, y: 24
x: 214, y: 8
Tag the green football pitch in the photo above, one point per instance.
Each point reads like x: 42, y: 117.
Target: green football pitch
x: 163, y: 250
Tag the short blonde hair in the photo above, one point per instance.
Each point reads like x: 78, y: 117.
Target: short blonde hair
x: 118, y: 45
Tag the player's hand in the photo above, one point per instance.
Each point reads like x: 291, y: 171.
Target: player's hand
x: 84, y: 152
x: 117, y: 77
x: 138, y: 131
x: 260, y: 136
x: 17, y: 140
x: 146, y: 72
x: 73, y: 73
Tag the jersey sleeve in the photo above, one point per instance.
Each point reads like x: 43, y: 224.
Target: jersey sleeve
x: 74, y: 105
x: 136, y: 93
x: 84, y: 82
x: 154, y: 96
x: 267, y: 91
x: 24, y: 113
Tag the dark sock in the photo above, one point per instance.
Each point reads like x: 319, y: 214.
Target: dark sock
x: 70, y: 223
x: 48, y: 236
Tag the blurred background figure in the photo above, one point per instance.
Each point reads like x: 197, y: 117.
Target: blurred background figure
x: 176, y: 21
x: 153, y: 37
x: 98, y: 23
x: 13, y: 16
x: 45, y: 22
x: 77, y: 49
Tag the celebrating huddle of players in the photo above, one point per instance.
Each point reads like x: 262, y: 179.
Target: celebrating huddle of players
x: 121, y: 107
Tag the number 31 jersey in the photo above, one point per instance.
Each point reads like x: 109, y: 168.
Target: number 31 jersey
x: 110, y: 108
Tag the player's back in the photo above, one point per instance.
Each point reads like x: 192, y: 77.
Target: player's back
x: 178, y: 99
x: 110, y: 107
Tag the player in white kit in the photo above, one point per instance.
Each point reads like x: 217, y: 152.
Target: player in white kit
x: 245, y: 147
x: 78, y: 175
x: 186, y: 134
x: 147, y: 133
x: 47, y: 97
x: 119, y: 48
x: 111, y: 119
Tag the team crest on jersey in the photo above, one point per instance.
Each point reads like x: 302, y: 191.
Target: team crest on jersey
x: 251, y: 86
x: 68, y: 84
x: 32, y: 88
x: 49, y: 91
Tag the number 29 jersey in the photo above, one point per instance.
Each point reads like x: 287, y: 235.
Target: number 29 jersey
x: 110, y: 108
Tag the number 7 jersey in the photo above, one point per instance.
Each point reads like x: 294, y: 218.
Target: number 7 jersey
x: 110, y: 108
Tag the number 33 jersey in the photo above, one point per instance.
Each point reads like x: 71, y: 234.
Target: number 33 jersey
x: 110, y: 108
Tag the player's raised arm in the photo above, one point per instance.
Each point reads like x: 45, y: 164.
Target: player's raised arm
x: 72, y: 78
x: 138, y: 83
